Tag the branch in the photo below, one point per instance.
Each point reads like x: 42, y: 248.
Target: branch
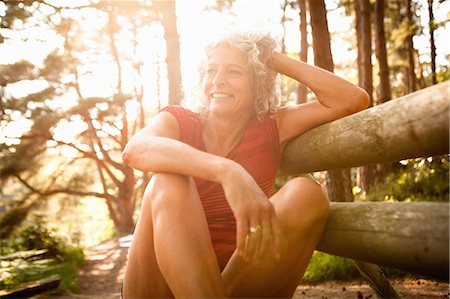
x: 65, y: 190
x: 112, y: 212
x: 98, y: 142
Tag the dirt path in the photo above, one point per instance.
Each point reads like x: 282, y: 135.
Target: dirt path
x: 102, y: 275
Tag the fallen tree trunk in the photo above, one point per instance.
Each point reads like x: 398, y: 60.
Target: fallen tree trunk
x: 416, y: 125
x: 410, y: 236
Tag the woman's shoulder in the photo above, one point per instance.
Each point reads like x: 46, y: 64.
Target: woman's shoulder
x: 181, y: 113
x: 178, y: 110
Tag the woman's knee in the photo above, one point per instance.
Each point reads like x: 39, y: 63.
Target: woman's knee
x: 306, y: 201
x: 166, y: 190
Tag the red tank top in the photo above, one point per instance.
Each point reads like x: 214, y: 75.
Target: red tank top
x: 258, y: 152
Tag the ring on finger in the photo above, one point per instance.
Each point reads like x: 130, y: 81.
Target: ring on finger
x: 255, y: 229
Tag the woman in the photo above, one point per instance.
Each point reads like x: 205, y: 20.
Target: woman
x: 210, y: 226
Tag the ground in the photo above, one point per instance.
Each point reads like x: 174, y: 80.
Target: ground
x: 102, y: 275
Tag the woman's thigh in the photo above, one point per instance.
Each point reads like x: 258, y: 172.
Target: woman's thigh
x: 143, y: 277
x: 172, y: 235
x: 301, y: 207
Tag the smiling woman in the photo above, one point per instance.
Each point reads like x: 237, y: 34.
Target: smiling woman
x: 210, y: 206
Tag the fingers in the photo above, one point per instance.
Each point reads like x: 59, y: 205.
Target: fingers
x: 253, y: 241
x: 276, y: 238
x: 262, y: 238
x: 266, y: 238
x: 241, y: 237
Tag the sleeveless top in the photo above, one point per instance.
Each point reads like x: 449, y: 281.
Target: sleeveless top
x: 258, y: 152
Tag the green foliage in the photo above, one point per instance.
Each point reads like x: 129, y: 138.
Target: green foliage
x: 60, y: 258
x: 39, y: 236
x: 329, y: 267
x: 422, y: 179
x: 444, y: 73
x: 324, y: 267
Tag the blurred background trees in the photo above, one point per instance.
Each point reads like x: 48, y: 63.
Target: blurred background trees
x: 45, y: 158
x: 104, y: 68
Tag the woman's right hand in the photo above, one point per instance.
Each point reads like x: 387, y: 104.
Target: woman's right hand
x: 258, y: 230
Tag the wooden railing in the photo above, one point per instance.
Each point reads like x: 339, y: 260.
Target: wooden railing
x: 409, y: 236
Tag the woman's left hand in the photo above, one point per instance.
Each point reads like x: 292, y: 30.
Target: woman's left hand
x: 258, y: 230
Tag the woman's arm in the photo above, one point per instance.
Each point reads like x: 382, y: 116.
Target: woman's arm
x: 156, y: 149
x: 336, y: 97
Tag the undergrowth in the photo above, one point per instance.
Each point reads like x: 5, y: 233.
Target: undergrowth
x: 60, y: 258
x: 326, y: 267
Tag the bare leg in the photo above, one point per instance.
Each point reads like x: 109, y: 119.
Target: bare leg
x: 172, y: 250
x: 142, y: 278
x: 302, y: 209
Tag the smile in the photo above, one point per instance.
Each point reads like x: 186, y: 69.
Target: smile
x: 219, y: 95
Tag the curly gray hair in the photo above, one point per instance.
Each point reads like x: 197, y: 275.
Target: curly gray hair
x: 259, y: 47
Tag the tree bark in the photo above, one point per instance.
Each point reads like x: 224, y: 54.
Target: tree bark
x: 415, y: 125
x: 302, y: 91
x: 384, y: 89
x: 412, y: 80
x: 431, y: 27
x: 412, y: 236
x: 320, y: 35
x: 169, y: 22
x: 364, y: 45
x: 283, y: 23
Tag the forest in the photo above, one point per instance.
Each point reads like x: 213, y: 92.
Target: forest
x: 79, y: 78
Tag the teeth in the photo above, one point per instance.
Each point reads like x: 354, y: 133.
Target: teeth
x: 218, y: 95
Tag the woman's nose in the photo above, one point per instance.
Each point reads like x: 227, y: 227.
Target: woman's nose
x: 219, y: 78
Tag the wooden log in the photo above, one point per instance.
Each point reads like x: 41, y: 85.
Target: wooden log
x: 30, y: 289
x: 376, y: 279
x: 416, y: 125
x: 24, y: 255
x: 411, y: 236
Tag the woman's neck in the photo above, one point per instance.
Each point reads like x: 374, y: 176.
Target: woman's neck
x: 221, y: 135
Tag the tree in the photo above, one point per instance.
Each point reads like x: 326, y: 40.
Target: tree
x: 367, y: 174
x: 412, y: 79
x: 384, y: 88
x: 301, y: 89
x: 169, y: 22
x: 431, y: 27
x: 340, y: 185
x: 364, y: 45
x: 103, y: 121
x: 379, y: 171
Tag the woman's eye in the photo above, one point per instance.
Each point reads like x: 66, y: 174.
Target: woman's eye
x: 210, y: 72
x: 234, y: 72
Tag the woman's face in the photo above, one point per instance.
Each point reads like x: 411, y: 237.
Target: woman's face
x: 227, y: 83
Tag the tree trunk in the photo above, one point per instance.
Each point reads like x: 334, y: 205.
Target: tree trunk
x: 126, y: 204
x: 283, y: 23
x: 412, y: 80
x: 364, y: 45
x: 384, y: 89
x: 302, y: 92
x: 169, y: 22
x: 432, y: 45
x: 367, y: 174
x: 375, y: 173
x: 339, y: 185
x: 321, y: 36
